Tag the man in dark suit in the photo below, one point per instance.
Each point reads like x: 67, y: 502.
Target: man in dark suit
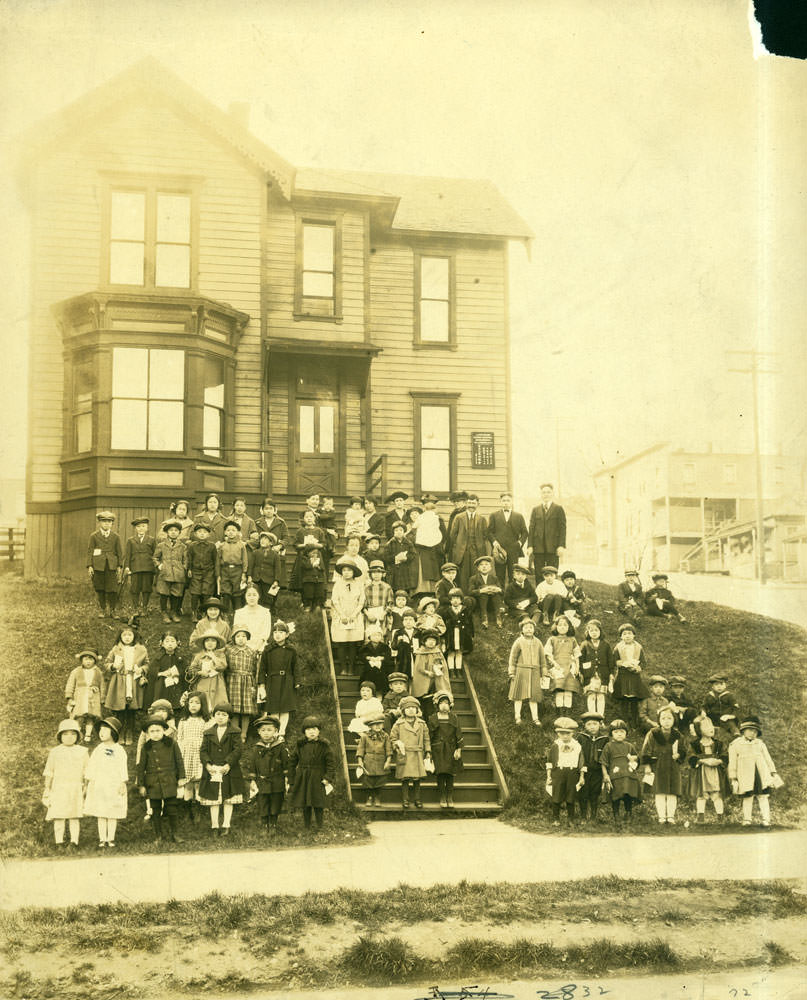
x: 507, y: 532
x: 547, y: 532
x: 105, y: 563
x: 468, y: 539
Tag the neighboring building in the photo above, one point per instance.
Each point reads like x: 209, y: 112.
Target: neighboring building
x: 207, y: 317
x: 794, y: 557
x: 732, y: 548
x: 658, y: 507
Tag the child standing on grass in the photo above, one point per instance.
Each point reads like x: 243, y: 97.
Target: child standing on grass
x: 526, y: 669
x: 662, y: 752
x: 166, y: 675
x: 412, y: 746
x: 629, y: 687
x: 650, y: 706
x: 596, y: 666
x: 107, y: 775
x: 620, y: 764
x: 138, y: 564
x: 190, y: 731
x: 312, y: 772
x: 707, y: 770
x: 222, y: 784
x: 265, y: 765
x: 208, y: 667
x: 565, y: 769
x: 105, y: 563
x: 127, y: 665
x: 65, y: 773
x: 446, y: 742
x: 373, y: 757
x: 593, y: 741
x: 242, y: 670
x: 160, y: 776
x: 459, y: 635
x: 752, y: 772
x: 562, y: 657
x: 85, y: 691
x: 171, y: 562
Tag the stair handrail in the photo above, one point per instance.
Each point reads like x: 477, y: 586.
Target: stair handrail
x: 380, y: 479
x: 335, y: 689
x: 494, y: 757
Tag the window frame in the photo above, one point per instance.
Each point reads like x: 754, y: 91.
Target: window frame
x: 439, y: 253
x: 151, y: 187
x: 182, y: 400
x: 449, y: 400
x: 86, y: 409
x: 216, y: 454
x: 333, y: 220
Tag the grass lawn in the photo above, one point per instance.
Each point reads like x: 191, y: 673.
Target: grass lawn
x: 44, y: 626
x: 345, y: 938
x: 766, y: 661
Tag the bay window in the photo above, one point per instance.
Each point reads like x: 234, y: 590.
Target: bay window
x: 148, y: 391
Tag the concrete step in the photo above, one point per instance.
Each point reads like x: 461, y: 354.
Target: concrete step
x: 347, y: 701
x: 464, y: 792
x: 471, y: 754
x: 395, y: 811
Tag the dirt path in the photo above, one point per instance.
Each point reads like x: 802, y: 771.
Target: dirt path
x: 475, y: 850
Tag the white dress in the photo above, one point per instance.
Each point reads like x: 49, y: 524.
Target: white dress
x: 347, y: 601
x: 66, y: 766
x: 107, y: 771
x: 259, y: 622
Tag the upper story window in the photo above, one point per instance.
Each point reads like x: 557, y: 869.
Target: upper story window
x: 318, y: 288
x: 689, y: 473
x: 435, y: 457
x: 148, y: 392
x: 434, y: 300
x: 150, y: 237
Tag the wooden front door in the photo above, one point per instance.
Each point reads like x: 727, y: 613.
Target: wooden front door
x: 317, y: 445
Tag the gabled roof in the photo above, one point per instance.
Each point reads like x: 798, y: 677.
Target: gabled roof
x: 425, y: 204
x: 147, y: 79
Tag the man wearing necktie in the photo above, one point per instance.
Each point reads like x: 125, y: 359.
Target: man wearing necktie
x: 507, y: 532
x: 468, y: 539
x: 547, y: 532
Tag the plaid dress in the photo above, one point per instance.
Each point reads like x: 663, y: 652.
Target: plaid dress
x: 190, y: 731
x: 243, y: 664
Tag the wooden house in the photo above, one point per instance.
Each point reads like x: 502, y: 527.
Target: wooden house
x: 207, y: 317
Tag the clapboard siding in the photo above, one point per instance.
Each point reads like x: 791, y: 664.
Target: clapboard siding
x: 476, y: 369
x: 278, y: 416
x: 280, y: 279
x: 68, y: 188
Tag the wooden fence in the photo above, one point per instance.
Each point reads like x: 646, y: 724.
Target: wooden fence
x: 12, y: 544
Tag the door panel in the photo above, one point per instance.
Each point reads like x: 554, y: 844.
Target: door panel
x: 316, y: 435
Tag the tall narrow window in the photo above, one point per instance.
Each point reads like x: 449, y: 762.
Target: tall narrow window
x: 83, y: 386
x: 150, y: 236
x: 434, y: 319
x: 148, y: 391
x: 318, y: 286
x: 689, y: 474
x: 435, y: 443
x: 213, y: 416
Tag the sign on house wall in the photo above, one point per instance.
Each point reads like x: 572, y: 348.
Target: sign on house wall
x: 483, y: 453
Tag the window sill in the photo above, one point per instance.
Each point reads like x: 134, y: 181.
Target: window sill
x: 300, y: 316
x: 420, y: 345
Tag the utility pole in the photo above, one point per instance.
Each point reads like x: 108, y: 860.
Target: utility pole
x: 755, y: 371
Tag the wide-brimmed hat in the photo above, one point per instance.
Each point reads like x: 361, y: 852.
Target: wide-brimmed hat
x: 438, y: 696
x: 397, y: 495
x: 425, y: 601
x: 311, y: 722
x: 591, y: 715
x: 266, y: 720
x: 349, y: 561
x: 202, y: 639
x: 408, y: 702
x: 751, y: 722
x: 618, y: 724
x: 563, y: 722
x: 88, y: 652
x: 625, y: 626
x: 377, y: 564
x: 223, y: 706
x: 396, y: 675
x: 484, y: 558
x: 367, y: 684
x: 240, y: 628
x: 171, y: 524
x: 139, y: 520
x: 104, y: 515
x: 212, y: 602
x: 449, y: 565
x: 657, y: 679
x: 112, y: 724
x: 67, y: 726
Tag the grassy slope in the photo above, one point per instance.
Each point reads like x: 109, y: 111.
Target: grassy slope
x: 765, y: 660
x: 44, y: 625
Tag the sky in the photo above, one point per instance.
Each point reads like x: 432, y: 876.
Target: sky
x: 658, y: 162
